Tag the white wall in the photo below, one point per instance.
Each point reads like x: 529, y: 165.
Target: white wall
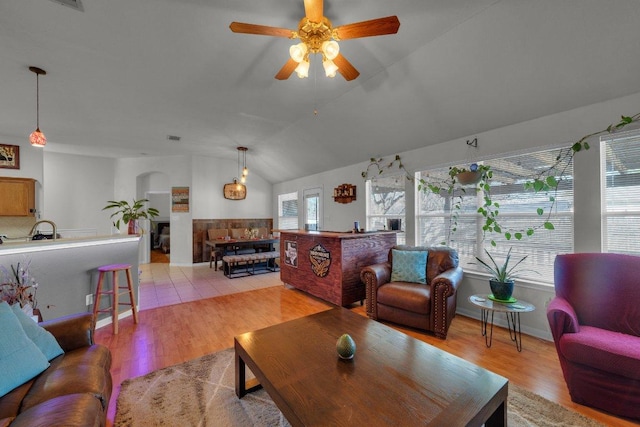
x: 77, y: 188
x: 210, y: 175
x: 131, y: 175
x: 337, y: 216
x: 205, y: 177
x: 162, y: 202
x: 564, y: 128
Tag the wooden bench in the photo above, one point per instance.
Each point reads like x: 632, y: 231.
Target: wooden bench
x: 259, y: 262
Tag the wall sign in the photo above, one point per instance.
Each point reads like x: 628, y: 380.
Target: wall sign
x: 320, y: 260
x: 179, y: 199
x: 291, y: 253
x: 234, y: 191
x: 344, y: 193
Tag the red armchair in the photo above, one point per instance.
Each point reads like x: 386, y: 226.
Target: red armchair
x: 595, y: 322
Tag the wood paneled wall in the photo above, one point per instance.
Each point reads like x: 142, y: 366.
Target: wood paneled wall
x: 200, y: 227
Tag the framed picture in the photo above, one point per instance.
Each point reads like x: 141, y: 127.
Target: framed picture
x: 179, y: 199
x: 9, y: 156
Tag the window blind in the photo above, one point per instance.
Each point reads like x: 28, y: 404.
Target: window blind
x: 621, y: 193
x: 518, y: 212
x: 288, y: 211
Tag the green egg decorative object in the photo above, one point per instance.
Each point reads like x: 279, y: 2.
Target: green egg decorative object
x: 346, y: 347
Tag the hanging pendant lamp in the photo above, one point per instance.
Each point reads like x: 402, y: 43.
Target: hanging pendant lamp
x: 37, y: 138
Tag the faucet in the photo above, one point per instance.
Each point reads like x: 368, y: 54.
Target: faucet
x: 35, y: 226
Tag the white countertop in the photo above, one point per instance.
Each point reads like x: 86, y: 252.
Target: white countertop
x: 9, y: 247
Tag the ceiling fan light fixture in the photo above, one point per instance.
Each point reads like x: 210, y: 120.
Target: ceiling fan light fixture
x: 298, y: 52
x: 330, y: 68
x: 331, y: 49
x: 303, y: 69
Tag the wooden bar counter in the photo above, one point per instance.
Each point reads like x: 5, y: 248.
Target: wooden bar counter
x: 327, y: 264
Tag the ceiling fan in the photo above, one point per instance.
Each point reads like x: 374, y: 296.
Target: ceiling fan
x: 319, y: 37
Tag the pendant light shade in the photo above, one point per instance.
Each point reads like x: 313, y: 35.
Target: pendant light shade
x: 37, y: 138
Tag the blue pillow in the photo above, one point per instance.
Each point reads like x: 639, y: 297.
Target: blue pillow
x: 39, y: 335
x: 409, y: 266
x: 20, y: 358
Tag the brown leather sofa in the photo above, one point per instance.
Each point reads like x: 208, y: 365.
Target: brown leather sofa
x: 429, y: 306
x: 74, y: 390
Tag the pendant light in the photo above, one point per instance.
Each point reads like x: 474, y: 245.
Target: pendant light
x: 245, y: 171
x: 37, y: 138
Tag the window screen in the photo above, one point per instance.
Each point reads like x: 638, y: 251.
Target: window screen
x: 386, y: 205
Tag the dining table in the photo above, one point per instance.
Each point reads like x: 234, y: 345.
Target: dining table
x: 259, y: 244
x: 229, y: 246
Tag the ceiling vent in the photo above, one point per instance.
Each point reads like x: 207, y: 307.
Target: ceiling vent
x: 74, y: 4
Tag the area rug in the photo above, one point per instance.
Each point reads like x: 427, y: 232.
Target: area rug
x: 201, y: 392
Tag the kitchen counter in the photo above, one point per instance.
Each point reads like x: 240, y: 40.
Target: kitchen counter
x: 66, y: 269
x: 15, y: 246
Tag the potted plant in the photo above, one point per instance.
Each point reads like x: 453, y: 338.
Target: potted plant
x: 18, y: 286
x: 502, y: 276
x: 467, y: 176
x: 130, y: 213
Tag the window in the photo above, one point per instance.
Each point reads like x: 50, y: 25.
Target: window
x: 386, y: 205
x: 621, y: 193
x: 288, y: 211
x: 518, y: 211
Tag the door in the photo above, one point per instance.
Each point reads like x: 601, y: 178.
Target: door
x: 312, y: 208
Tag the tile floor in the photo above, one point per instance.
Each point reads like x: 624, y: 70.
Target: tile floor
x: 162, y: 284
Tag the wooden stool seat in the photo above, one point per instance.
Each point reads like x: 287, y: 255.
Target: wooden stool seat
x: 114, y: 293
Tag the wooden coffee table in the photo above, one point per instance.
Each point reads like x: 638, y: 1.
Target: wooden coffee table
x: 393, y: 379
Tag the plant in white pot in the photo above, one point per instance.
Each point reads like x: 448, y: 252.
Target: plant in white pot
x: 502, y: 276
x: 130, y: 213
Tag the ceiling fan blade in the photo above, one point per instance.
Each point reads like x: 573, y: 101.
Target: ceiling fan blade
x: 314, y: 10
x: 345, y: 68
x: 286, y: 71
x: 374, y: 27
x: 262, y: 30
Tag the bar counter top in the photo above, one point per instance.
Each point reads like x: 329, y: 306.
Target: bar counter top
x: 336, y: 234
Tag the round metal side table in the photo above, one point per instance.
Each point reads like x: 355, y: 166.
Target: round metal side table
x: 511, y: 309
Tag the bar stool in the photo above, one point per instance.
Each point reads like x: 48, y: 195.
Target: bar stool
x: 115, y: 293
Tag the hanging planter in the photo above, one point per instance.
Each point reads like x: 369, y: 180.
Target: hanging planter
x: 468, y: 177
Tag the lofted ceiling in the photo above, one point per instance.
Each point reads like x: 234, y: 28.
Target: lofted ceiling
x: 122, y: 75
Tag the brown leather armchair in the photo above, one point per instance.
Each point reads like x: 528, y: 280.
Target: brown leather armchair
x: 429, y: 306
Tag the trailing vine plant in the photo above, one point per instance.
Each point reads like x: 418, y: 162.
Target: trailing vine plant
x: 546, y: 181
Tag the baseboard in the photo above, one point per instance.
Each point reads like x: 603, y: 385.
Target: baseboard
x: 502, y: 322
x: 107, y: 320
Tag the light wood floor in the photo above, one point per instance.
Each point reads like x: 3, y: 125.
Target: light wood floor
x: 176, y: 333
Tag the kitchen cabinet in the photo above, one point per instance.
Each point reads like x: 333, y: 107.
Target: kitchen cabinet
x: 17, y: 196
